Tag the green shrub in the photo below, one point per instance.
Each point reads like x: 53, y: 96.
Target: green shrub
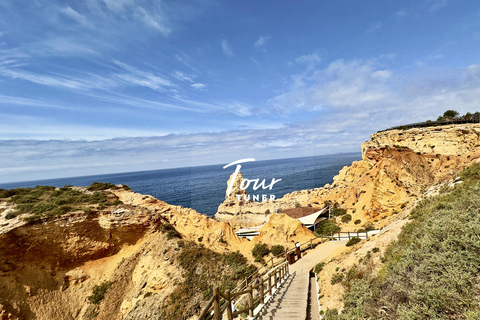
x: 319, y: 267
x: 367, y: 227
x: 277, y: 250
x: 431, y: 271
x: 98, y: 292
x: 336, y: 278
x: 327, y: 227
x: 99, y: 186
x: 259, y: 251
x: 172, y: 233
x: 353, y: 241
x: 347, y: 218
x: 358, y: 221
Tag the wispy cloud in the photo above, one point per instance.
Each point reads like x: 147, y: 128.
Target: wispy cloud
x: 227, y: 50
x: 198, y: 86
x: 310, y: 60
x: 135, y: 76
x: 260, y: 42
x: 437, y: 5
x: 375, y: 27
x: 179, y: 75
x: 68, y: 11
x: 402, y: 13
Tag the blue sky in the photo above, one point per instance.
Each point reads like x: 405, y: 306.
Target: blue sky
x: 102, y: 86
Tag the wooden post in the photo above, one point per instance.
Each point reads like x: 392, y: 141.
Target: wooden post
x: 270, y: 283
x: 311, y: 244
x: 275, y: 279
x: 216, y: 304
x: 358, y: 236
x: 250, y: 301
x: 348, y: 235
x: 229, y: 305
x: 262, y: 294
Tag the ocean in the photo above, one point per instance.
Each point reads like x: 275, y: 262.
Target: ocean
x: 203, y: 188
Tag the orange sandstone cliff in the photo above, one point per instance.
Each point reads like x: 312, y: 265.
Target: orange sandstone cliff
x: 397, y: 166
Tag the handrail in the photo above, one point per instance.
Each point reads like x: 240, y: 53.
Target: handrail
x: 264, y: 286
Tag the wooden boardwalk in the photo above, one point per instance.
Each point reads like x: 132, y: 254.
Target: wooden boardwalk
x: 291, y: 302
x: 296, y: 298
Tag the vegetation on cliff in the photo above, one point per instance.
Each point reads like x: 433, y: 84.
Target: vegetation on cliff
x: 448, y: 117
x: 202, y: 269
x: 47, y: 201
x: 431, y: 271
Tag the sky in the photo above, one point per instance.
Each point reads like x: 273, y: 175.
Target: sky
x: 105, y: 86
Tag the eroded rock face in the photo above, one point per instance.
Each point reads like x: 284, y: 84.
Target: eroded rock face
x: 283, y: 230
x: 49, y: 268
x: 397, y: 166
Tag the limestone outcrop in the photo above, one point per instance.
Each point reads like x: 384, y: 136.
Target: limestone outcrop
x: 49, y: 267
x: 397, y: 166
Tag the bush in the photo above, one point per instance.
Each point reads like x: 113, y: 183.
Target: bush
x: 358, y: 221
x: 327, y: 227
x: 353, y: 241
x: 319, y: 267
x: 277, y: 250
x: 431, y: 271
x: 367, y: 227
x: 99, y: 186
x: 347, y: 218
x: 336, y: 278
x: 47, y: 201
x: 98, y: 292
x: 259, y: 251
x: 173, y: 234
x: 337, y: 212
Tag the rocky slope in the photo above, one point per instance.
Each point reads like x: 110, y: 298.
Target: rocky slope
x: 146, y: 248
x: 396, y: 167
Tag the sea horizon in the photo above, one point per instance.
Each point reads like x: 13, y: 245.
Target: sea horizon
x: 203, y: 187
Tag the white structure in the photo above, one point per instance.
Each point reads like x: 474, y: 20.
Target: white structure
x: 311, y: 222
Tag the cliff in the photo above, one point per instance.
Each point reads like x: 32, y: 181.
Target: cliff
x: 397, y: 166
x: 155, y: 259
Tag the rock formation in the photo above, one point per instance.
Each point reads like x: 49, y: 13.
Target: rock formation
x: 396, y: 167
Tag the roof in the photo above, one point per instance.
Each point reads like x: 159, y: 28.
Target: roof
x: 312, y: 218
x: 299, y: 212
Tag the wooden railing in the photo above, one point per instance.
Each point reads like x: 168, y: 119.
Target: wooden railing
x: 221, y: 302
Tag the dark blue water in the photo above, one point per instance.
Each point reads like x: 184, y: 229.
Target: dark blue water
x: 203, y: 188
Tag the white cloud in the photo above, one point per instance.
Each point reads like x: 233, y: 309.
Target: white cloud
x: 179, y: 75
x: 374, y: 27
x: 198, y: 86
x: 68, y: 11
x: 260, y: 42
x: 118, y: 6
x: 402, y: 13
x: 227, y: 50
x: 437, y: 5
x: 135, y: 76
x: 154, y: 20
x: 311, y: 60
